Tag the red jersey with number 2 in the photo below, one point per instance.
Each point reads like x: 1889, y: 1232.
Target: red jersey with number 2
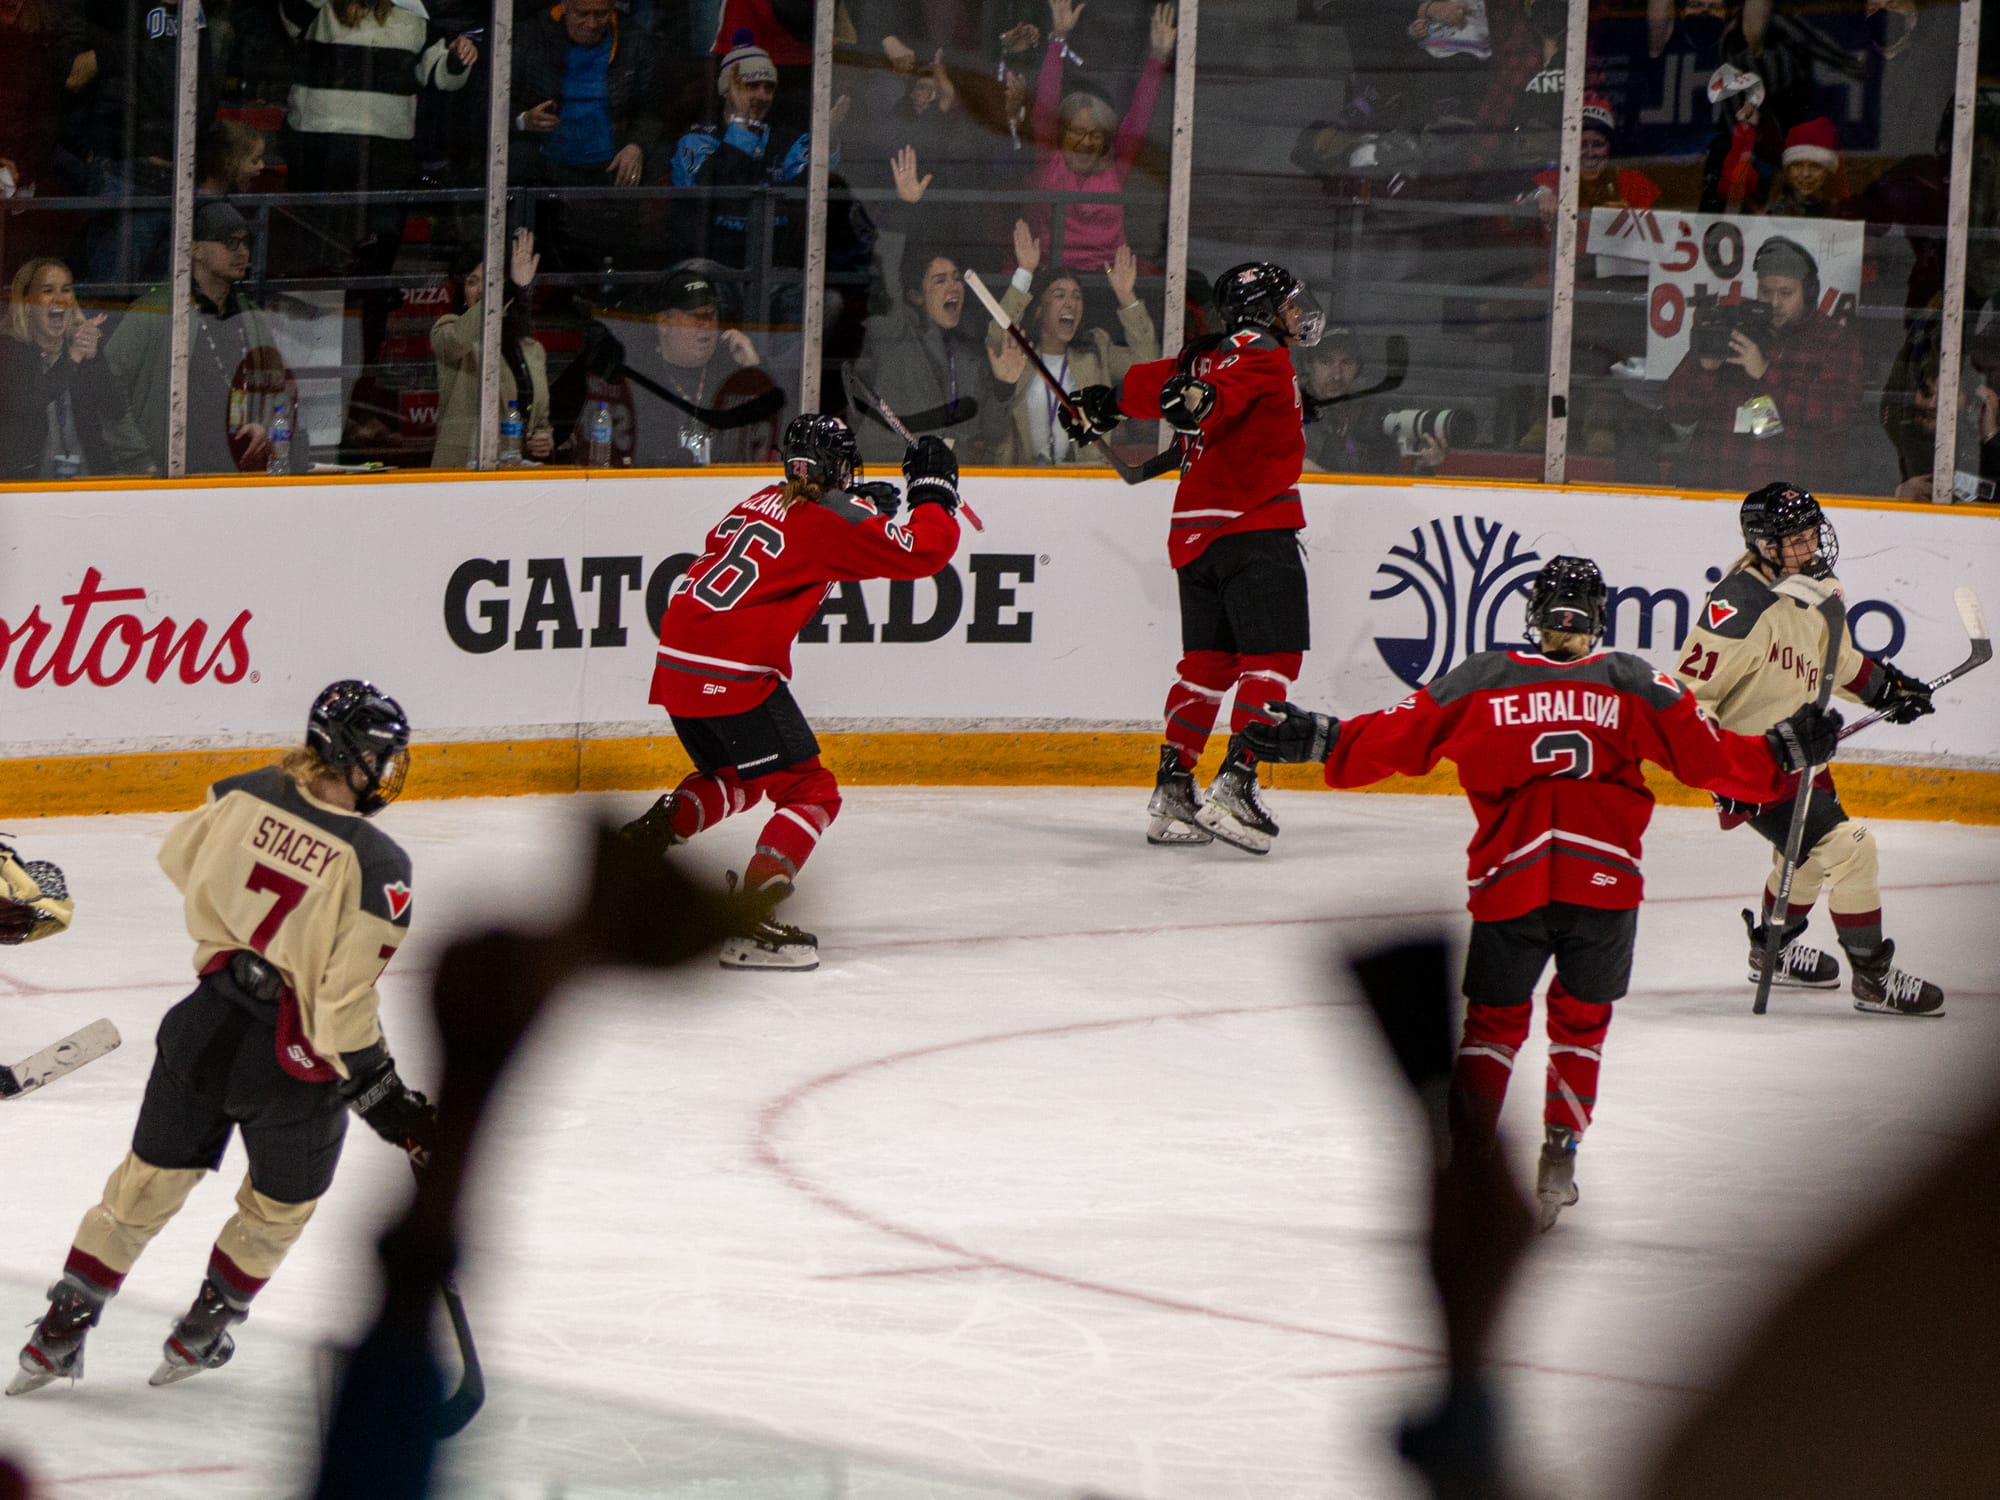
x: 1548, y: 753
x: 726, y: 638
x: 1241, y: 473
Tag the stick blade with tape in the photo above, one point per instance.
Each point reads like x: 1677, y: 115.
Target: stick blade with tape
x: 59, y: 1058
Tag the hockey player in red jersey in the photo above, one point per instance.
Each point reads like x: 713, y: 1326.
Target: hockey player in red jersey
x: 1548, y: 746
x: 724, y: 668
x: 1233, y: 539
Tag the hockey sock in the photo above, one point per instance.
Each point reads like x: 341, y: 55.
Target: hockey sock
x: 1195, y: 699
x: 808, y: 800
x: 1263, y: 678
x: 256, y: 1239
x: 1493, y: 1034
x: 701, y: 800
x: 1576, y: 1050
x: 139, y: 1199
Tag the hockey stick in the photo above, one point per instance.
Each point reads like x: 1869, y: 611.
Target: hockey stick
x: 58, y: 1058
x: 463, y: 1404
x: 859, y: 388
x: 763, y: 405
x: 1027, y: 346
x: 1974, y: 619
x: 1775, y: 921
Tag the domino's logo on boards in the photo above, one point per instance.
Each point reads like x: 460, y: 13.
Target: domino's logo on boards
x: 1445, y: 589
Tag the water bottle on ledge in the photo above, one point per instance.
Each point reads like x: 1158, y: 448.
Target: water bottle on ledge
x: 280, y: 437
x: 598, y: 455
x: 510, y: 437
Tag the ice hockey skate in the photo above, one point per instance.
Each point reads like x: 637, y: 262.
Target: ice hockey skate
x: 200, y: 1340
x: 1555, y: 1176
x: 771, y: 944
x: 1235, y: 811
x: 1800, y: 965
x: 55, y: 1350
x: 1882, y: 987
x: 1176, y: 805
x: 652, y: 832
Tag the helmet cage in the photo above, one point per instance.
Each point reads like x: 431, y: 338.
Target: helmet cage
x: 1568, y: 595
x: 1264, y: 296
x: 1779, y: 511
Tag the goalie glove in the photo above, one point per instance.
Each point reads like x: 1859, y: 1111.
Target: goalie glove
x: 34, y: 899
x: 1290, y: 735
x: 930, y: 474
x: 391, y: 1108
x: 1904, y: 698
x: 1096, y: 413
x: 1807, y: 739
x: 879, y: 493
x: 1185, y: 402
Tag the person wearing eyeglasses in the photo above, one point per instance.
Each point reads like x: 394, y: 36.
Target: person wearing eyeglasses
x: 236, y: 375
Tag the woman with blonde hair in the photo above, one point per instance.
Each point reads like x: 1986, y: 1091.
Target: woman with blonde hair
x: 62, y: 412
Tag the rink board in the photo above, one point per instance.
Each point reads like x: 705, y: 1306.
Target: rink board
x: 152, y: 638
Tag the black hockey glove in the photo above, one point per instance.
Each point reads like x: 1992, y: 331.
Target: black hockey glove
x: 879, y: 493
x: 1292, y: 735
x: 1185, y: 401
x: 392, y: 1109
x: 1906, y: 698
x: 1807, y: 739
x: 1096, y: 413
x: 930, y: 474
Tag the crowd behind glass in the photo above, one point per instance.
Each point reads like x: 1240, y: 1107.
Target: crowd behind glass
x: 1401, y: 155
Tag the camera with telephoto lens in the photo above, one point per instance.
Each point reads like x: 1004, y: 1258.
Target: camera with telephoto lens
x: 1410, y: 426
x: 1714, y: 321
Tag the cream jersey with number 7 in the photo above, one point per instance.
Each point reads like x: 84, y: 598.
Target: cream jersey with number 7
x: 320, y: 892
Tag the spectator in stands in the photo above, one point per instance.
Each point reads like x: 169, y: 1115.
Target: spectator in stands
x: 1074, y: 134
x: 933, y: 372
x: 1778, y: 405
x: 698, y: 400
x: 742, y: 158
x: 587, y: 88
x: 41, y: 53
x: 1814, y: 185
x: 125, y: 138
x: 230, y: 159
x: 236, y: 375
x: 1344, y: 434
x: 524, y: 364
x: 62, y: 414
x: 1742, y: 158
x: 1078, y: 356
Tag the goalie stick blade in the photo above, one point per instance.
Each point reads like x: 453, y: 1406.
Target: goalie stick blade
x: 58, y: 1058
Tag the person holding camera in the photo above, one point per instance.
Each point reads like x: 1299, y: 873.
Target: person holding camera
x: 1770, y: 387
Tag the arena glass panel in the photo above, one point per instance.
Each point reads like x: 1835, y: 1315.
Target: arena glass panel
x: 1761, y: 218
x: 1386, y: 155
x: 1027, y: 142
x: 658, y: 155
x: 86, y: 170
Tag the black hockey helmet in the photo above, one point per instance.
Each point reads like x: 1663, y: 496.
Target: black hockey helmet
x: 1780, y: 510
x: 1260, y: 295
x: 1568, y: 595
x: 819, y: 450
x: 354, y: 725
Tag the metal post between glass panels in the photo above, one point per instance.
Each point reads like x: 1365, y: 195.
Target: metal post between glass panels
x: 1562, y: 280
x: 181, y: 270
x: 499, y: 101
x: 813, y: 334
x: 1958, y: 217
x: 1180, y: 182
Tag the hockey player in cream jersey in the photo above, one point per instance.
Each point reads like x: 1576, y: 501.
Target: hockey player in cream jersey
x: 1754, y: 655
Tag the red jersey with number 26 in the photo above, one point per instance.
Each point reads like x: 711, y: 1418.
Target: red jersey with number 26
x: 726, y: 638
x: 1242, y: 472
x: 1548, y: 753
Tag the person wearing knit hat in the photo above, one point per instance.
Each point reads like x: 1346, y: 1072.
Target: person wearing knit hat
x: 745, y: 63
x: 1813, y: 182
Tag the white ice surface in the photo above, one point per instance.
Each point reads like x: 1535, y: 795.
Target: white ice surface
x: 1058, y: 1172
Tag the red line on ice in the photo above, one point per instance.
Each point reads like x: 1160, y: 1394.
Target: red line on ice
x: 771, y: 1118
x: 142, y: 1474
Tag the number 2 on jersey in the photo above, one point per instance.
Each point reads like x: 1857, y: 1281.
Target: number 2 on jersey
x: 1568, y: 745
x: 289, y: 892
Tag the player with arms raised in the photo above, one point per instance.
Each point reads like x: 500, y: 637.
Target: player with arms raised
x: 295, y: 902
x: 1233, y: 539
x: 1754, y: 654
x: 1548, y: 746
x: 724, y: 668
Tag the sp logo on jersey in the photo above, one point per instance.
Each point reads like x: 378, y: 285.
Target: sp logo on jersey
x: 1719, y: 613
x: 1600, y: 878
x: 397, y: 894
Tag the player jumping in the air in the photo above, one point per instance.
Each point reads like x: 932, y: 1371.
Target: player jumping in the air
x: 295, y: 903
x: 1233, y: 539
x: 1754, y: 654
x: 725, y: 662
x: 1548, y: 746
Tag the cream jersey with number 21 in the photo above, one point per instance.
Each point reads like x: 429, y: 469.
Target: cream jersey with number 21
x: 1756, y: 650
x: 319, y: 892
